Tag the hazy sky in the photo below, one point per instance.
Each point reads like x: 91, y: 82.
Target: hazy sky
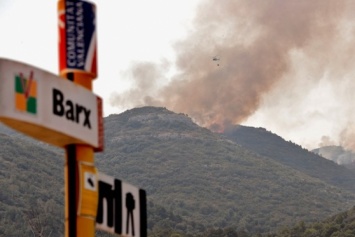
x: 286, y: 66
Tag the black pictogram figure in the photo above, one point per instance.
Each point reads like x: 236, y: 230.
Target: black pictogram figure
x: 91, y: 182
x: 130, y: 205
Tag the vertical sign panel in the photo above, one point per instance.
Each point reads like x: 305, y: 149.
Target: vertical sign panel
x: 88, y: 190
x: 77, y: 37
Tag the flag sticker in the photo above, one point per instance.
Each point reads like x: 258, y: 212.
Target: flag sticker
x: 26, y: 93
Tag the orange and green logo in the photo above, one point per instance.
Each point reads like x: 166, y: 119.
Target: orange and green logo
x: 26, y: 93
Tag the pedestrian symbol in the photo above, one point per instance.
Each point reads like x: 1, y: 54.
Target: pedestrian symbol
x: 130, y: 203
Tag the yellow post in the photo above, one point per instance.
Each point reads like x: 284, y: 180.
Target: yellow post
x: 77, y: 225
x: 80, y: 202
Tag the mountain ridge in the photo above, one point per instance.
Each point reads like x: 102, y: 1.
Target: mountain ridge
x: 195, y: 179
x: 208, y: 146
x: 290, y: 154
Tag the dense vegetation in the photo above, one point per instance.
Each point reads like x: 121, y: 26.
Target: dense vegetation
x: 341, y: 225
x: 31, y: 184
x: 198, y: 183
x: 209, y: 181
x: 273, y: 146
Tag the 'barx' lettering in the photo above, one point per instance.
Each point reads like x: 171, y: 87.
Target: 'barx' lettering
x: 69, y: 110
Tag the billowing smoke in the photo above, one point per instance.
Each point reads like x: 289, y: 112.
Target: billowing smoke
x: 263, y: 47
x: 337, y: 154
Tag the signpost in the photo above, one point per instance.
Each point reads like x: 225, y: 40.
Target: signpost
x: 77, y: 63
x: 63, y: 111
x: 122, y: 208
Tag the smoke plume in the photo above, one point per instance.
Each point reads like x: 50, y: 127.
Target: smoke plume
x: 271, y: 53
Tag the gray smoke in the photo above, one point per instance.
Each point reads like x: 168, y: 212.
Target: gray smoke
x: 263, y: 47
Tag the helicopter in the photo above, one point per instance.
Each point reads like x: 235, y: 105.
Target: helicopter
x: 216, y: 58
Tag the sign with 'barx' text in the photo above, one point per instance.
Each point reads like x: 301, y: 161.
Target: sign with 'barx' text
x: 49, y: 108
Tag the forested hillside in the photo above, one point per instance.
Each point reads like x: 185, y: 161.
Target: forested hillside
x: 32, y: 193
x: 210, y: 181
x: 198, y: 183
x: 340, y: 225
x: 292, y: 155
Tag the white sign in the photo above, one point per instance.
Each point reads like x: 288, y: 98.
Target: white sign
x: 121, y: 208
x: 47, y: 107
